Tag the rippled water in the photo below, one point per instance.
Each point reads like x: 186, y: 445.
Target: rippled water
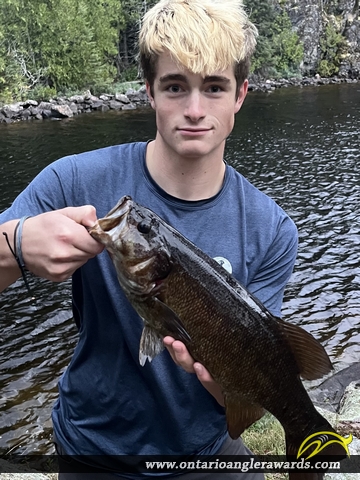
x: 300, y: 146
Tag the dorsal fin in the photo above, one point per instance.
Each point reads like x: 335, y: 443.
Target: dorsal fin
x: 310, y: 355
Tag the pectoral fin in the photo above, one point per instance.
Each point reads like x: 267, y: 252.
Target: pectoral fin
x: 151, y: 344
x: 164, y: 321
x: 240, y: 414
x: 170, y: 322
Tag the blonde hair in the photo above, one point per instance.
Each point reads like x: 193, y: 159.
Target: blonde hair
x: 204, y: 36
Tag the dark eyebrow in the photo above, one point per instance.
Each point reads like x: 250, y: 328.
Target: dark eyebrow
x: 178, y: 77
x: 217, y: 79
x: 173, y: 77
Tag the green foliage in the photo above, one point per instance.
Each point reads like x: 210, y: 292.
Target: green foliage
x: 57, y: 43
x: 42, y: 93
x: 76, y: 44
x: 130, y: 73
x: 279, y: 51
x: 118, y: 87
x: 331, y: 45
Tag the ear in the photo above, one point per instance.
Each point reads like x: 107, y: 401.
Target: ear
x: 241, y: 96
x: 149, y: 94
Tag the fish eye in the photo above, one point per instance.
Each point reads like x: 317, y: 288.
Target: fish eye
x: 144, y: 226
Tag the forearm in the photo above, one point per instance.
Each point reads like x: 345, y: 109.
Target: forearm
x: 9, y: 269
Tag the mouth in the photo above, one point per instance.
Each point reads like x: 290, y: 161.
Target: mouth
x: 116, y: 218
x: 193, y: 132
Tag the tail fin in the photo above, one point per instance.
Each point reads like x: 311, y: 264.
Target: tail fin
x: 321, y: 445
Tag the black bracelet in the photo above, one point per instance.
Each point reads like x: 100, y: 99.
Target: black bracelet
x: 16, y: 251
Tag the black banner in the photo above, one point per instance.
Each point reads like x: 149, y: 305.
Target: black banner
x: 143, y: 465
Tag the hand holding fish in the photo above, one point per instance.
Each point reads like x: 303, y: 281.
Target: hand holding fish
x: 55, y: 244
x: 182, y: 357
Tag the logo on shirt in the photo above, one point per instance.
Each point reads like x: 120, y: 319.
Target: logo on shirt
x: 224, y: 262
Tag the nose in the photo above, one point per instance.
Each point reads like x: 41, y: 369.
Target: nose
x: 194, y: 108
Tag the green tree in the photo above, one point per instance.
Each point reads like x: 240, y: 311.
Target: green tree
x: 59, y: 43
x: 279, y: 51
x: 331, y: 45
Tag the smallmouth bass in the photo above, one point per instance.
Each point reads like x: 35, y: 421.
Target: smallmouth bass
x: 180, y: 291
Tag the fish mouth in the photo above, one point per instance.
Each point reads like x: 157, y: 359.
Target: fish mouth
x: 116, y: 218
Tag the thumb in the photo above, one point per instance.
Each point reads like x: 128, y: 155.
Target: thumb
x: 84, y: 215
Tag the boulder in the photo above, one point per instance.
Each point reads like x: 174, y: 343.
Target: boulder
x: 77, y: 98
x: 329, y: 393
x: 120, y: 97
x: 61, y: 111
x: 115, y: 105
x: 30, y: 103
x: 12, y: 111
x: 45, y: 105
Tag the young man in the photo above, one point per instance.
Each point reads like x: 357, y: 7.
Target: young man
x: 195, y: 56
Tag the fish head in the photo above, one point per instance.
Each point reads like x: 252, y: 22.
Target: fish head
x: 131, y: 235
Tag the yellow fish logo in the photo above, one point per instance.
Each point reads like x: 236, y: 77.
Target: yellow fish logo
x: 322, y: 440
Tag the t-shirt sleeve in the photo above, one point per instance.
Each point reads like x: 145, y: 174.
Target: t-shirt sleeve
x: 269, y: 281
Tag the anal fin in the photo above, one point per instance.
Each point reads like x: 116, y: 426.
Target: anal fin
x: 240, y: 414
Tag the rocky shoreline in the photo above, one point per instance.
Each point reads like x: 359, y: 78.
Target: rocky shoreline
x: 61, y: 107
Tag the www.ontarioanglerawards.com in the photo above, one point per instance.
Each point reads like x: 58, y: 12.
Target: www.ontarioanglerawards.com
x: 252, y: 465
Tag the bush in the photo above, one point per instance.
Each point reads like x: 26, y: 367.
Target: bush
x: 331, y: 45
x: 279, y: 52
x: 41, y: 93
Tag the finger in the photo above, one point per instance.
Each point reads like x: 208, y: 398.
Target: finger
x: 209, y: 383
x: 179, y: 354
x: 84, y: 215
x: 83, y: 241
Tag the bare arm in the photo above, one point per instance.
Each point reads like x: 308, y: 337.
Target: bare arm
x: 54, y: 244
x: 9, y: 270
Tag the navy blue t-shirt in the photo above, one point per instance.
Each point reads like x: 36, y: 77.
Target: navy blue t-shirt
x: 108, y: 404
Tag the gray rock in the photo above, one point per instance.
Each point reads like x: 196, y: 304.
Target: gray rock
x: 61, y: 111
x: 329, y: 393
x: 130, y: 106
x: 30, y: 103
x: 34, y: 111
x: 91, y: 99
x: 120, y: 97
x: 97, y: 105
x: 115, y: 105
x: 12, y: 111
x: 45, y: 105
x: 137, y: 97
x: 46, y: 113
x: 106, y: 97
x: 77, y: 98
x: 349, y: 408
x: 25, y: 114
x: 73, y: 107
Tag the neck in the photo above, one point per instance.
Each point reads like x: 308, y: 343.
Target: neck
x: 186, y: 178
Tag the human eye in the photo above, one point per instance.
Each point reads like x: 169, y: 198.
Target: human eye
x: 174, y: 89
x: 215, y: 89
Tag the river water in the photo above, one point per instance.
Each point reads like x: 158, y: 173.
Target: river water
x: 300, y: 146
